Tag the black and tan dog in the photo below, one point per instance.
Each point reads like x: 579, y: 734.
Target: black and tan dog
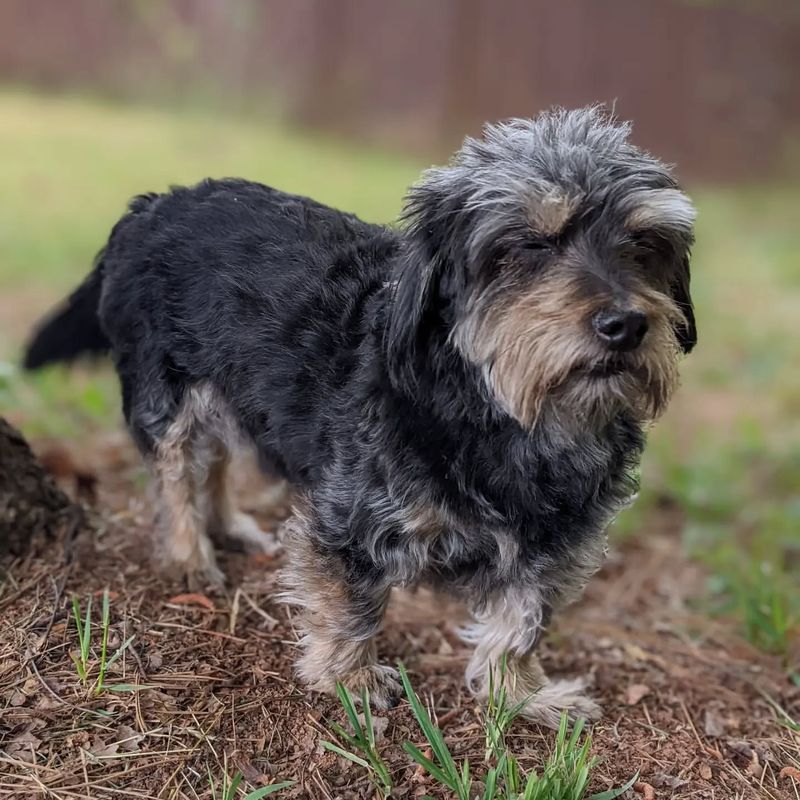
x: 462, y: 401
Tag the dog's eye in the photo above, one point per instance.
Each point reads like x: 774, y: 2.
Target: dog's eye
x: 534, y: 246
x: 640, y: 250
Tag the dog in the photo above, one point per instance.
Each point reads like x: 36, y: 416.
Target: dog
x: 461, y: 402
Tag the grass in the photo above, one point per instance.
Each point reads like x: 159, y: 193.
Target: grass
x: 742, y: 514
x: 229, y: 788
x: 86, y: 632
x: 726, y: 453
x: 77, y: 162
x: 564, y: 776
x: 362, y: 741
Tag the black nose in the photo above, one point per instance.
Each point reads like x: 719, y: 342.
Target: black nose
x: 620, y: 330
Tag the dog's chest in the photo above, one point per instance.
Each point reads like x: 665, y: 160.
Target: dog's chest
x: 427, y: 540
x: 496, y: 511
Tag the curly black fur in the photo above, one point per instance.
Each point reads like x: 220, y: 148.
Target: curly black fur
x: 363, y: 364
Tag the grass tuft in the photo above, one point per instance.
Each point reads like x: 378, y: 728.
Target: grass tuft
x: 362, y: 740
x: 83, y: 659
x: 564, y: 776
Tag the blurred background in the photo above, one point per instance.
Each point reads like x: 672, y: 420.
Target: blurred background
x: 347, y: 100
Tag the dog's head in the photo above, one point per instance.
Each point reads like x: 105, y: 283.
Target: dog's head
x: 554, y: 256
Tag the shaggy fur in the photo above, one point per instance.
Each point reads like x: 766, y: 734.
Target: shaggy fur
x: 461, y: 401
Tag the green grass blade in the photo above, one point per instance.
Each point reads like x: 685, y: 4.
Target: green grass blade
x: 490, y: 781
x: 511, y: 768
x: 348, y: 705
x: 433, y: 769
x: 432, y: 733
x: 78, y: 667
x: 76, y: 613
x: 789, y: 723
x: 466, y: 778
x: 82, y: 662
x: 577, y: 730
x: 580, y: 780
x: 368, y: 727
x: 362, y: 740
x: 343, y: 734
x: 257, y: 794
x: 129, y: 687
x: 105, y: 610
x: 610, y: 794
x: 87, y: 630
x: 120, y: 650
x: 334, y: 748
x: 211, y: 783
x: 230, y: 791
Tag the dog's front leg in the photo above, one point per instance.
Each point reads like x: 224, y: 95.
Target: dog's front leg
x: 511, y: 626
x: 341, y: 613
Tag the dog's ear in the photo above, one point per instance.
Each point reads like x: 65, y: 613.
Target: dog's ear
x: 686, y: 332
x: 423, y: 276
x: 412, y: 310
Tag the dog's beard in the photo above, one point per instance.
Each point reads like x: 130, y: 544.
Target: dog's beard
x: 536, y: 360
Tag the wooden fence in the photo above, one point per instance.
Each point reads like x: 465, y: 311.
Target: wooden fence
x: 713, y: 86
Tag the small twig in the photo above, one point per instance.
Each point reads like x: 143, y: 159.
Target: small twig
x: 60, y: 700
x: 85, y: 772
x: 691, y: 724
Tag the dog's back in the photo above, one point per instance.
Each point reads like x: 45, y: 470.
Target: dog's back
x: 258, y: 293
x: 262, y: 295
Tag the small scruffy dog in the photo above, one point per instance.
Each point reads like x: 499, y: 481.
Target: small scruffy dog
x: 462, y: 401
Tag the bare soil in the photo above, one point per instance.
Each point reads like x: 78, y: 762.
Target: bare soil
x: 687, y: 703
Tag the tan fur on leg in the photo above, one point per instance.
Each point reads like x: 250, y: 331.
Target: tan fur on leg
x: 187, y: 545
x: 511, y: 629
x: 338, y: 632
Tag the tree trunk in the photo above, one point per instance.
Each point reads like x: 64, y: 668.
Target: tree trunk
x: 31, y: 505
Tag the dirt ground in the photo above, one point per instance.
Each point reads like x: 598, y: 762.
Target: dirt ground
x: 686, y: 702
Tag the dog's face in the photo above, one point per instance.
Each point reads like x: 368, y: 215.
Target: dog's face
x: 555, y: 254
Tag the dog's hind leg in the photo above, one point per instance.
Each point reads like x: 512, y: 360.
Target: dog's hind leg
x: 224, y: 521
x: 188, y: 548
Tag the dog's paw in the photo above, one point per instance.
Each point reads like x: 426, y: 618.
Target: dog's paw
x: 209, y: 576
x: 244, y: 533
x: 197, y: 569
x: 196, y: 577
x: 382, y: 683
x: 549, y: 703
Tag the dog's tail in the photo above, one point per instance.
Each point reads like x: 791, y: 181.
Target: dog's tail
x: 73, y: 329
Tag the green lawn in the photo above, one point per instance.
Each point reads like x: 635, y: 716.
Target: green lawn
x: 728, y: 452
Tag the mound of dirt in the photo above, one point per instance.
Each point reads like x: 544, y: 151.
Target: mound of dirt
x: 31, y: 505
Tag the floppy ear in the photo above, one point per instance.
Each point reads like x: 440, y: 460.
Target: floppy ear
x: 422, y: 277
x: 686, y: 332
x: 415, y: 288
